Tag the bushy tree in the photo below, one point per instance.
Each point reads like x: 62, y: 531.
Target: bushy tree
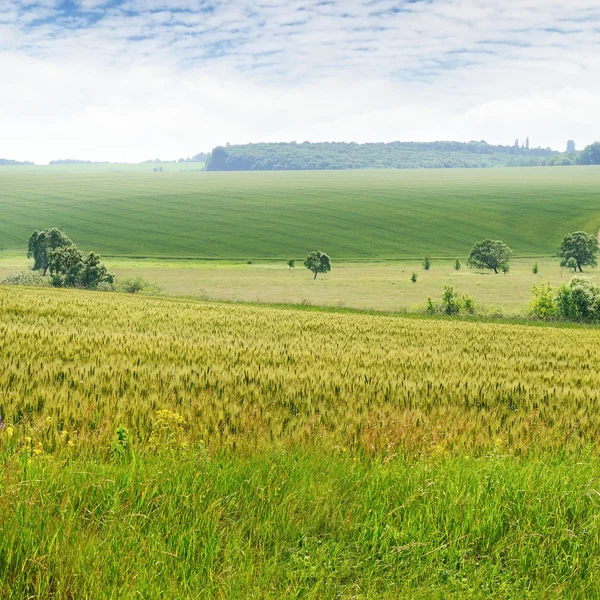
x: 577, y: 250
x: 457, y: 264
x: 579, y: 300
x: 413, y: 277
x: 534, y: 267
x: 489, y: 254
x: 291, y: 263
x: 41, y: 243
x: 318, y: 262
x: 427, y: 263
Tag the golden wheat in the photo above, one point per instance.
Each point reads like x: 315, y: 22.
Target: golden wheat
x: 74, y: 366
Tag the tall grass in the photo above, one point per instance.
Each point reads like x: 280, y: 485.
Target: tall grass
x: 300, y: 525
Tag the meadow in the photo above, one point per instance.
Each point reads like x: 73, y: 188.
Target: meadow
x: 157, y: 447
x: 351, y: 215
x: 383, y: 286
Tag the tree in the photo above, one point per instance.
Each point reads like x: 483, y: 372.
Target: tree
x: 291, y: 263
x: 489, y: 254
x: 457, y: 264
x: 571, y: 146
x: 41, y: 243
x: 577, y: 250
x: 534, y: 267
x: 413, y: 278
x: 590, y: 155
x: 427, y: 263
x: 318, y: 262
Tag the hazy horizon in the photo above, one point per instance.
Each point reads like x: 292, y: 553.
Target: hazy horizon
x: 133, y: 80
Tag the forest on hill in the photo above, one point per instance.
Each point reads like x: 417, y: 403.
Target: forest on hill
x: 393, y: 155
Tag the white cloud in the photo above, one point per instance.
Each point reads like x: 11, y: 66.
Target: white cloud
x: 170, y: 78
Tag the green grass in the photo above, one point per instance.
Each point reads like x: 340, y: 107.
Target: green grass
x: 351, y: 215
x: 382, y: 286
x: 300, y: 525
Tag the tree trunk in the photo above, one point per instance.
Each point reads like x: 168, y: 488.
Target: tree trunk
x: 579, y: 267
x: 495, y: 270
x: 44, y: 273
x: 316, y: 273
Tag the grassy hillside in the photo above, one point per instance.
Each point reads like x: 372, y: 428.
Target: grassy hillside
x: 274, y: 453
x: 357, y: 214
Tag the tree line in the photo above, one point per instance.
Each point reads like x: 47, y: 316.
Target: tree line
x: 394, y: 155
x: 342, y: 155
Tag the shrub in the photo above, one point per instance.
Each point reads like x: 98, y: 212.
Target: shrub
x: 468, y: 304
x: 457, y: 264
x: 534, y: 268
x: 427, y: 263
x: 579, y: 300
x: 542, y: 305
x: 135, y: 285
x: 430, y: 310
x: 450, y: 301
x: 413, y: 278
x: 23, y: 278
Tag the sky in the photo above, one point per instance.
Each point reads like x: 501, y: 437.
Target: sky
x: 130, y: 80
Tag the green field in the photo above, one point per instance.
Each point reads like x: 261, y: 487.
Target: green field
x: 365, y: 215
x: 278, y: 453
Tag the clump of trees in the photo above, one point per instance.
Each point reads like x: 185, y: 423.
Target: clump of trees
x: 490, y: 254
x: 318, y: 262
x: 53, y: 251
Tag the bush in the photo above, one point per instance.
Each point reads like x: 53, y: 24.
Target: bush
x: 450, y: 301
x: 413, y: 278
x: 23, y: 278
x: 534, y: 268
x: 427, y: 263
x: 578, y: 300
x: 542, y: 305
x: 457, y: 264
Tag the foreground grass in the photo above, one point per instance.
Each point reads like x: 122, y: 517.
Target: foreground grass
x: 351, y: 214
x: 299, y: 525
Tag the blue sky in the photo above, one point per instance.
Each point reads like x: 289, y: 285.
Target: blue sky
x: 137, y: 79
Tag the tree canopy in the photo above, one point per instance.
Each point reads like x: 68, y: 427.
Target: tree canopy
x: 318, y: 262
x: 489, y: 254
x: 577, y: 250
x: 41, y: 243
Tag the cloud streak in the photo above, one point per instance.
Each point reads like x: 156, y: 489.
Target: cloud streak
x: 131, y: 79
